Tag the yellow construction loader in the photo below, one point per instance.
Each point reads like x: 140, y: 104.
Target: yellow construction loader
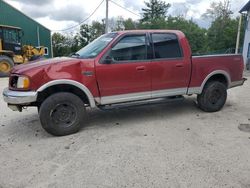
x: 12, y: 51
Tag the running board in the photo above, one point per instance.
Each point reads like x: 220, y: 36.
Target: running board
x: 141, y: 103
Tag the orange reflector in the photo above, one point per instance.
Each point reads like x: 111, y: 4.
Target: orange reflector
x: 26, y: 82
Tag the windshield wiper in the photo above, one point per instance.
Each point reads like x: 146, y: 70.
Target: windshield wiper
x: 76, y: 55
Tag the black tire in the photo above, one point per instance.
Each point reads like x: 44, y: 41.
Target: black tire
x: 213, y: 97
x: 6, y: 65
x: 35, y: 57
x: 62, y: 114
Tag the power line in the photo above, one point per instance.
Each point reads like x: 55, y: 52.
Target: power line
x: 69, y: 28
x: 124, y: 8
x: 82, y: 20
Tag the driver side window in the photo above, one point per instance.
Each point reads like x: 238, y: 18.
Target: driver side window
x: 130, y: 48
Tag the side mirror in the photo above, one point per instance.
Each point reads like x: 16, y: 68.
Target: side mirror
x: 107, y: 60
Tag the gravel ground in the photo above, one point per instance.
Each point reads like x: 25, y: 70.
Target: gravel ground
x: 167, y: 145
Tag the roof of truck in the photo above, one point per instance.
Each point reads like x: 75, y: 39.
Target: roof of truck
x: 149, y: 30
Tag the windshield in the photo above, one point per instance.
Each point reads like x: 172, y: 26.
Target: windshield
x: 95, y: 47
x: 11, y: 36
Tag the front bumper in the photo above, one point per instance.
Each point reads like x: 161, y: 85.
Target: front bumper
x: 19, y: 97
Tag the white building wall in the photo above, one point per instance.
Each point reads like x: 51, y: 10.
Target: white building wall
x: 247, y: 39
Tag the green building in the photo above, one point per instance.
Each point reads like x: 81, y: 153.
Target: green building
x: 35, y: 34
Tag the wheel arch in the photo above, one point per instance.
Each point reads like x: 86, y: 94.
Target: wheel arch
x: 219, y: 75
x: 66, y: 85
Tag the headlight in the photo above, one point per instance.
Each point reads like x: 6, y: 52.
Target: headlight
x: 23, y: 82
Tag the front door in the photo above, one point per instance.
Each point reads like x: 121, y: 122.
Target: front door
x: 124, y: 72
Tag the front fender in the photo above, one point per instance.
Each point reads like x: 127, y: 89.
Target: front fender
x: 70, y: 82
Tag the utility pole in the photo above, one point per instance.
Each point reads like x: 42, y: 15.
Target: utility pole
x: 107, y: 17
x: 238, y: 36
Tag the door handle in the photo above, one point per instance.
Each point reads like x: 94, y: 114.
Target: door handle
x: 140, y: 68
x: 179, y: 65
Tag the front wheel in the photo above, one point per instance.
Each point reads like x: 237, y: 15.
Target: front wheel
x: 213, y: 97
x: 62, y: 114
x: 6, y: 65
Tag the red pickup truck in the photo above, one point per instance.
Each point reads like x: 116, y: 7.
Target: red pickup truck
x: 121, y: 67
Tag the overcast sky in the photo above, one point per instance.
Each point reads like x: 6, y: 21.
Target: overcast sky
x: 60, y: 14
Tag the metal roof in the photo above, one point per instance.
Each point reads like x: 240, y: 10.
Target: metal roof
x: 4, y: 1
x: 246, y: 7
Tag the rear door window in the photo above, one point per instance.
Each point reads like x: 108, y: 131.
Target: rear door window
x: 166, y: 45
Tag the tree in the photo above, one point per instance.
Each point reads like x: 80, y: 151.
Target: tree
x: 61, y: 45
x: 88, y: 33
x: 197, y: 36
x: 154, y: 15
x: 85, y: 36
x: 129, y: 24
x: 219, y: 37
x: 116, y: 23
x: 222, y: 35
x: 119, y: 24
x: 223, y: 30
x: 64, y: 45
x: 98, y: 28
x: 219, y: 10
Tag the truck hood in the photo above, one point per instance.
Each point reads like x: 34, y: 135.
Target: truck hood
x: 44, y: 71
x: 20, y: 69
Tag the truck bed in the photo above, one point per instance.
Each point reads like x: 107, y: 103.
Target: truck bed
x: 229, y: 64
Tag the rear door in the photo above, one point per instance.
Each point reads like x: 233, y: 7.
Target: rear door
x: 124, y: 72
x: 170, y: 70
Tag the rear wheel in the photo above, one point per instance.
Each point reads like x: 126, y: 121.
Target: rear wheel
x: 6, y: 65
x: 213, y: 97
x: 62, y: 114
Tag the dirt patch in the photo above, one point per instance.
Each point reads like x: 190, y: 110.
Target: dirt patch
x: 244, y: 127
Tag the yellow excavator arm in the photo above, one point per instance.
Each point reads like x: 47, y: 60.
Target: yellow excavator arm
x: 31, y: 52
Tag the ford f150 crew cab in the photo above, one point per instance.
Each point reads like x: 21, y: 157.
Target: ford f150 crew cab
x: 118, y: 68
